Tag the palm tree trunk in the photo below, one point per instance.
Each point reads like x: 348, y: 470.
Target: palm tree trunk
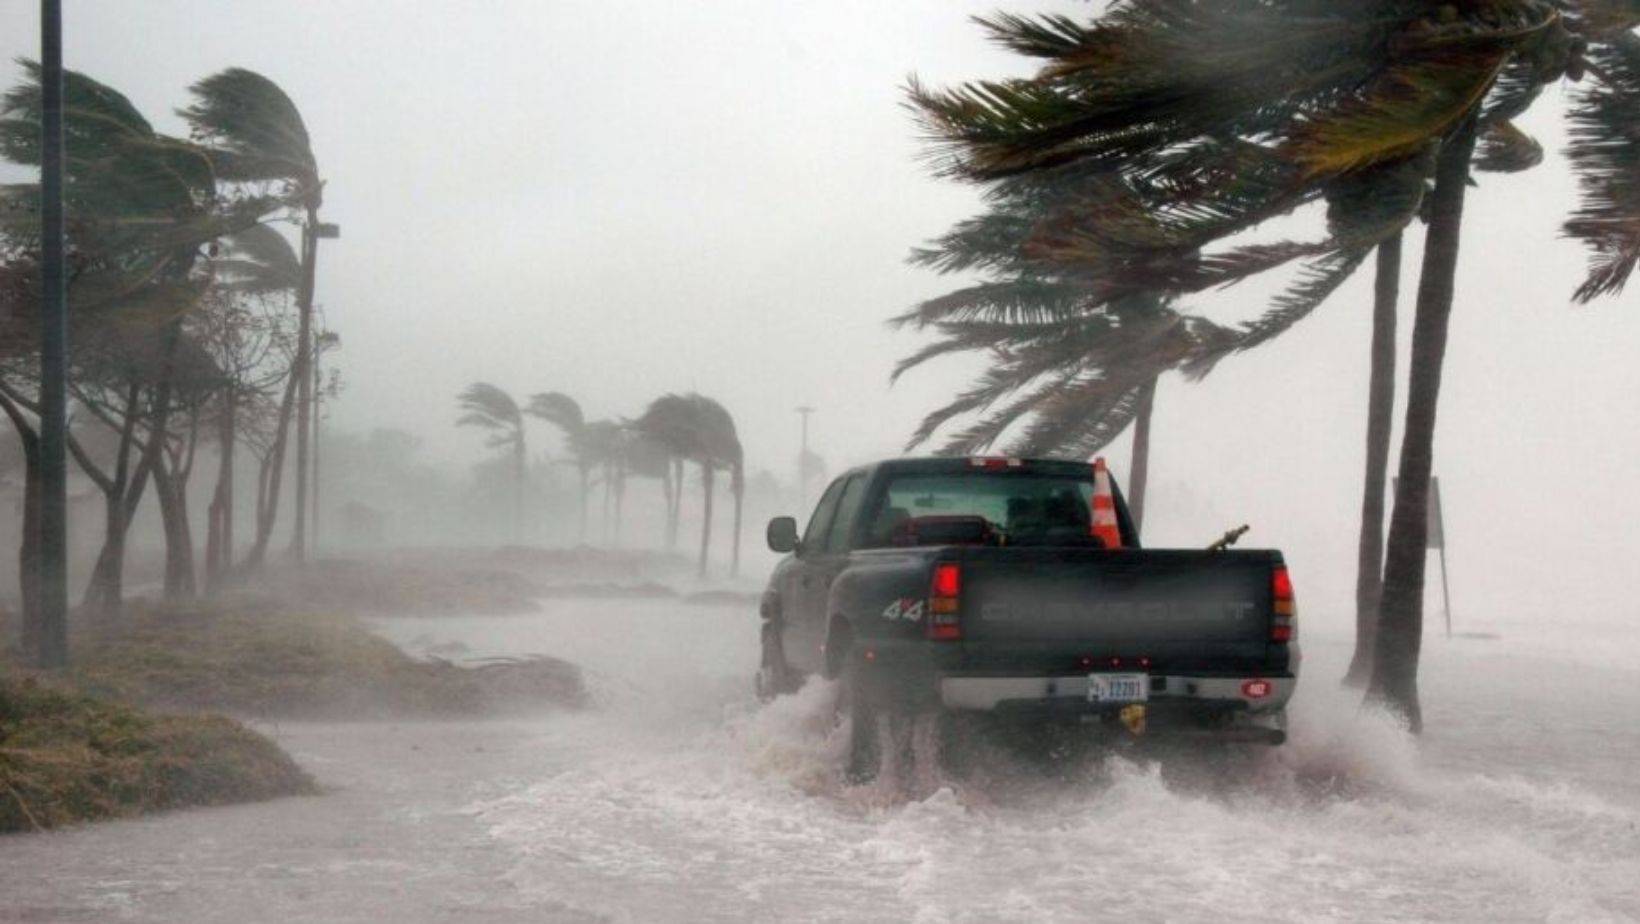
x: 675, y: 523
x: 707, y: 479
x: 1394, y: 682
x: 586, y: 494
x: 666, y: 495
x: 1369, y: 574
x: 1139, y: 470
x: 301, y: 370
x: 518, y: 484
x: 737, y: 484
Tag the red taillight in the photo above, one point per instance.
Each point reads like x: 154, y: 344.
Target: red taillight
x: 1284, y: 609
x: 995, y: 462
x: 1257, y: 689
x: 944, y: 593
x: 1281, y: 584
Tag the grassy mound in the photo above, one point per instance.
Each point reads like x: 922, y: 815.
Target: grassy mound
x: 66, y: 757
x: 249, y: 656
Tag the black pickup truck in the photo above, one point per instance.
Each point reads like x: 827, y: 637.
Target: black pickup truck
x: 957, y: 585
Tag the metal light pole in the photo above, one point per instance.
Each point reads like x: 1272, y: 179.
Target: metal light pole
x: 53, y: 536
x: 803, y: 410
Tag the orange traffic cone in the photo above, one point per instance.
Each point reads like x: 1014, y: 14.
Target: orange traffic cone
x: 1104, y: 507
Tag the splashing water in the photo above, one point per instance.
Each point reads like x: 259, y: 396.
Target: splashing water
x: 679, y: 798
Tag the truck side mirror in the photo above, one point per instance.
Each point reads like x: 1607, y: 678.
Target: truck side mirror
x: 782, y: 534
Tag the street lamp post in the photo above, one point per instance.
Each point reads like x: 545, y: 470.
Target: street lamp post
x: 52, y: 638
x: 803, y: 411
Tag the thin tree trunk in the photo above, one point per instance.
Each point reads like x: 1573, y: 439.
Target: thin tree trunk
x: 219, y: 521
x: 666, y: 496
x: 707, y: 479
x: 620, y: 501
x: 1394, y: 682
x: 1369, y: 575
x: 28, y: 548
x: 1139, y: 469
x: 518, y: 485
x: 737, y: 484
x: 304, y: 381
x: 29, y: 559
x: 171, y: 489
x: 274, y: 465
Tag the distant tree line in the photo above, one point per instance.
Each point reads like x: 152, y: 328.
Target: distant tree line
x: 671, y: 433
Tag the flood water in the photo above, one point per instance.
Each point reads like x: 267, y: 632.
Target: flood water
x: 678, y: 798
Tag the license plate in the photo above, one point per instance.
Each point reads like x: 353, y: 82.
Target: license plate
x: 1118, y: 688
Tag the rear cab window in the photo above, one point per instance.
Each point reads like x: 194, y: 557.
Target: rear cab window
x: 983, y: 506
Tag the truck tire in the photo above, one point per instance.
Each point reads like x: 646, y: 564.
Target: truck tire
x: 774, y: 676
x: 864, y: 755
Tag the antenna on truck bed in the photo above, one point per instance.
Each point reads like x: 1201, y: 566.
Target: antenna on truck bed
x: 1228, y: 539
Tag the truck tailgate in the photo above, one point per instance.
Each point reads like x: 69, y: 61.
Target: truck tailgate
x: 1064, y: 606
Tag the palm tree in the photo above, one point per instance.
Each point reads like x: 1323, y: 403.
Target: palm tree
x: 564, y: 412
x: 696, y: 428
x: 489, y: 408
x: 1332, y: 89
x: 257, y: 135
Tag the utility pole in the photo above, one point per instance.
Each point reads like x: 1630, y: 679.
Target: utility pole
x: 313, y: 230
x: 803, y: 411
x: 53, y: 537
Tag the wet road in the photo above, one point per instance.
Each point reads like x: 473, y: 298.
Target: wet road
x: 679, y: 799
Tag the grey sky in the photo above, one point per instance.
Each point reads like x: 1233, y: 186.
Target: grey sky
x: 618, y: 200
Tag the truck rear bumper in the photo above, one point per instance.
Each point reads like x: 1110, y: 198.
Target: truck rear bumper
x: 1069, y: 694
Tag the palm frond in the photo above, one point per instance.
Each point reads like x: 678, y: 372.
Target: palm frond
x: 1604, y: 152
x: 488, y: 406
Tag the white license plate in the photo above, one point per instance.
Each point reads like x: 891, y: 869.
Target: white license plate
x: 1118, y: 688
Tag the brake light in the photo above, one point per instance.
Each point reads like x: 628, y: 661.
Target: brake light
x: 1283, y: 622
x: 995, y: 462
x: 944, y: 600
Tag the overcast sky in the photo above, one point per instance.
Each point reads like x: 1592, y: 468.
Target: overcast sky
x: 617, y: 200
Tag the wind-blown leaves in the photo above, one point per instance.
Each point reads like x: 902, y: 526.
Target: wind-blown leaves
x: 255, y: 132
x: 1605, y: 155
x: 487, y: 407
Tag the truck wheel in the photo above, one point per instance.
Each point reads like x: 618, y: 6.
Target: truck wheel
x: 774, y: 676
x: 864, y: 756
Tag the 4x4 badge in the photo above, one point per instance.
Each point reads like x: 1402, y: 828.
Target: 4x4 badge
x: 907, y: 608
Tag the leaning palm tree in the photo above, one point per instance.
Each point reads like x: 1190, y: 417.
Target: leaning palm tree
x: 722, y: 444
x: 257, y: 136
x: 564, y: 412
x: 489, y: 408
x: 696, y: 428
x: 1332, y: 90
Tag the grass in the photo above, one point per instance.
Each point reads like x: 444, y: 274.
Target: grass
x: 66, y: 757
x: 250, y: 656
